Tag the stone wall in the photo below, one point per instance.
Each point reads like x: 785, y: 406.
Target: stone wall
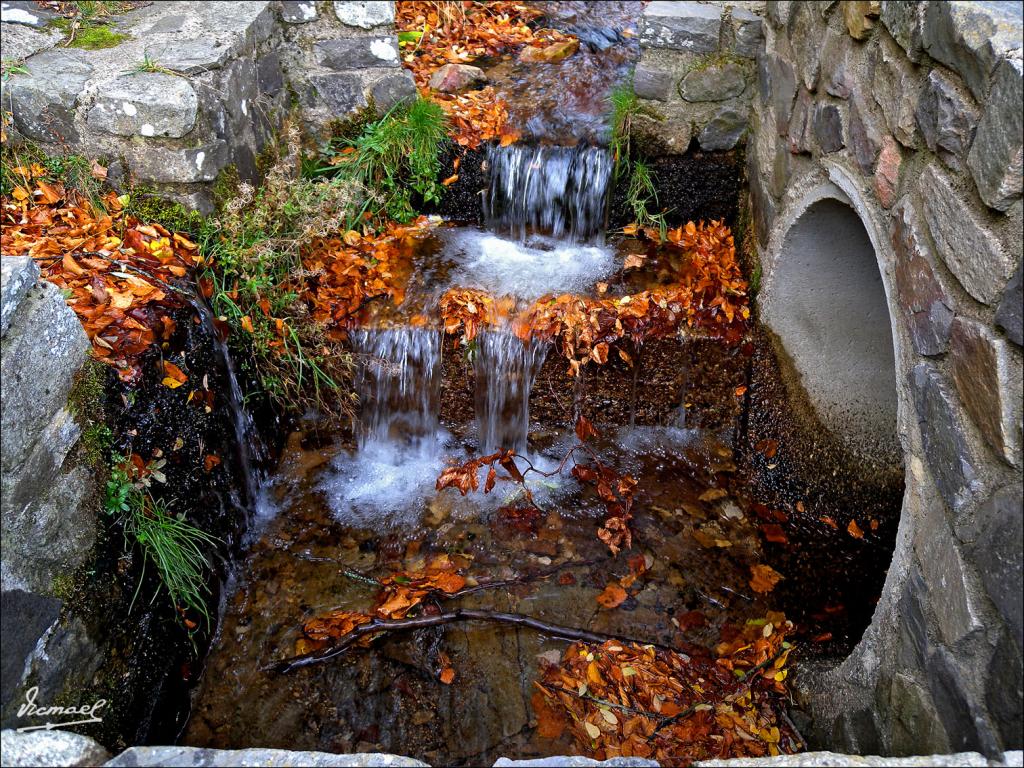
x: 908, y: 116
x: 696, y: 75
x: 196, y: 88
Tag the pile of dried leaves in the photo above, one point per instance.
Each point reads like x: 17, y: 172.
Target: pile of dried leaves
x: 625, y: 700
x: 709, y: 291
x: 433, y: 34
x: 119, y: 275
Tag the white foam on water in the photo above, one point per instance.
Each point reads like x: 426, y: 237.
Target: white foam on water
x: 527, y: 270
x: 389, y: 484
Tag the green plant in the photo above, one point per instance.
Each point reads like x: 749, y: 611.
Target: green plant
x: 150, y: 65
x: 172, y: 544
x: 392, y: 157
x: 641, y: 195
x: 70, y: 169
x: 10, y: 67
x: 625, y: 108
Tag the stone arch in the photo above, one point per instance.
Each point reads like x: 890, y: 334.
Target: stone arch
x: 827, y: 299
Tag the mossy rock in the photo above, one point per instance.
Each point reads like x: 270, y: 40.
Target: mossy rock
x: 90, y: 36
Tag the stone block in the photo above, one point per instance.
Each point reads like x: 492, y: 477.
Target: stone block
x: 827, y: 124
x: 652, y: 83
x: 995, y: 551
x: 806, y: 32
x: 145, y: 104
x: 43, y: 102
x: 1009, y: 315
x: 955, y: 607
x: 914, y: 644
x: 24, y: 618
x: 970, y: 38
x: 18, y: 274
x: 20, y: 42
x: 392, y: 89
x: 357, y: 53
x: 836, y: 66
x: 996, y: 156
x: 713, y: 83
x: 946, y: 449
x: 169, y: 166
x: 1004, y: 688
x: 947, y: 117
x: 801, y: 124
x: 951, y: 687
x: 887, y: 172
x: 896, y: 89
x: 748, y: 32
x: 782, y: 78
x: 918, y: 291
x: 988, y: 380
x: 859, y: 17
x: 761, y: 204
x: 43, y: 349
x: 916, y: 724
x: 199, y: 757
x: 905, y: 21
x: 866, y: 133
x: 294, y: 12
x: 683, y: 26
x: 342, y: 94
x: 51, y: 748
x: 366, y: 14
x: 269, y: 77
x: 724, y: 131
x: 964, y: 243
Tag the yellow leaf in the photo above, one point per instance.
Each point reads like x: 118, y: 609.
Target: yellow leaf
x: 171, y: 383
x: 592, y: 730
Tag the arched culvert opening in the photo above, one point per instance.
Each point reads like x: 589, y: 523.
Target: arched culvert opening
x: 826, y: 303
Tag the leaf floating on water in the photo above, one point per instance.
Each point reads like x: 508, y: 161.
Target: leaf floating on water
x: 764, y: 578
x: 612, y: 597
x: 854, y: 530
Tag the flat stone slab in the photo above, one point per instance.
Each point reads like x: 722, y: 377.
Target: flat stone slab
x: 682, y: 26
x: 195, y: 757
x: 50, y: 748
x: 21, y: 41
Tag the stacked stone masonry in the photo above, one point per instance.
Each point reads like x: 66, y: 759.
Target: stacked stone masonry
x: 910, y: 114
x: 197, y: 89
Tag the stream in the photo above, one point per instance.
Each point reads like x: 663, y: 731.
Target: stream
x: 712, y: 501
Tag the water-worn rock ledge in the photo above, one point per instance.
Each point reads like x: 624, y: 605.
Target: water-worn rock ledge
x: 71, y: 749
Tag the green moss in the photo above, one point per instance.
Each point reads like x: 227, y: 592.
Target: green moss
x: 62, y: 586
x: 90, y: 35
x: 717, y: 59
x: 226, y: 185
x: 85, y: 402
x: 149, y: 206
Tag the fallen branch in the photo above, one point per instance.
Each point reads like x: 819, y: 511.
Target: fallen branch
x: 604, y: 702
x: 459, y: 614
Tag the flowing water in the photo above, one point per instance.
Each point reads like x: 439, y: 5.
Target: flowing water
x: 712, y: 502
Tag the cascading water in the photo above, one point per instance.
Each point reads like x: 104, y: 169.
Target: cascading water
x: 505, y: 369
x: 556, y: 191
x: 399, y: 383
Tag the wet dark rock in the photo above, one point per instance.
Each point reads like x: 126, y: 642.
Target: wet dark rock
x: 1009, y: 315
x: 652, y: 83
x: 724, y: 131
x: 865, y: 134
x: 684, y: 26
x: 998, y: 152
x: 947, y: 117
x: 915, y: 721
x: 393, y: 89
x: 761, y: 203
x: 25, y: 616
x: 919, y: 292
x: 996, y: 553
x: 828, y: 128
x: 989, y: 384
x: 964, y: 243
x: 905, y: 20
x: 454, y: 77
x: 356, y: 53
x: 713, y: 83
x: 945, y: 443
x: 914, y: 645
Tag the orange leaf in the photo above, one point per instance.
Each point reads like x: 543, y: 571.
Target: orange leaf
x: 247, y: 324
x: 447, y: 676
x: 450, y: 180
x: 612, y: 597
x: 854, y: 530
x: 764, y: 578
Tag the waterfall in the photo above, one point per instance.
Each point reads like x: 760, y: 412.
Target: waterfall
x: 505, y: 369
x: 556, y: 191
x: 399, y: 383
